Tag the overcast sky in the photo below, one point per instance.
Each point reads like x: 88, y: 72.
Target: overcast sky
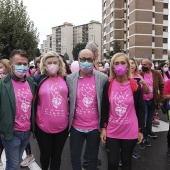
x: 50, y: 13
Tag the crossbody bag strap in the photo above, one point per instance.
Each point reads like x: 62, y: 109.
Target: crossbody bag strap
x: 59, y: 91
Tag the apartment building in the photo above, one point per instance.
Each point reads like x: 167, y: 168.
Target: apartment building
x: 140, y: 26
x: 62, y: 39
x: 90, y: 32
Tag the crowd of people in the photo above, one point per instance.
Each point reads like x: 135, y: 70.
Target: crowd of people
x: 113, y: 103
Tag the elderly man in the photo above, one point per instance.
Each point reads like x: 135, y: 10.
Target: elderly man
x: 155, y: 83
x: 93, y: 47
x: 85, y: 91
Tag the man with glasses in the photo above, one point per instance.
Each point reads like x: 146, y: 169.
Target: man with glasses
x: 85, y: 91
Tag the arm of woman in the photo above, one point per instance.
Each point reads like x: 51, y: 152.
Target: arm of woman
x: 104, y: 112
x: 140, y: 111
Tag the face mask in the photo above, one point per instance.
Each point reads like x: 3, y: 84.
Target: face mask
x: 86, y: 67
x: 120, y: 70
x: 20, y: 70
x: 52, y: 69
x: 1, y: 71
x: 145, y: 69
x: 166, y: 69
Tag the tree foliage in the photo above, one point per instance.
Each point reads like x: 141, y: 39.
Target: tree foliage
x: 16, y: 29
x: 77, y: 49
x: 66, y: 57
x: 116, y: 49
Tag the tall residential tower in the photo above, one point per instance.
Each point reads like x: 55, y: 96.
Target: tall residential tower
x: 141, y: 27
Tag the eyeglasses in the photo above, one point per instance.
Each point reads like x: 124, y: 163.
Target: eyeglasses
x: 90, y: 60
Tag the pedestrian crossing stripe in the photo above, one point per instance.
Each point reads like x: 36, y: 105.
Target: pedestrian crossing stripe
x: 164, y: 126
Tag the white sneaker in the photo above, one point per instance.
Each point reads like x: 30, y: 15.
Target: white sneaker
x: 28, y: 160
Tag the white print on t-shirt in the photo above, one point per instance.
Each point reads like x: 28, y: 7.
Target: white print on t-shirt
x: 119, y: 100
x: 87, y: 93
x: 56, y: 97
x: 23, y: 97
x: 23, y: 94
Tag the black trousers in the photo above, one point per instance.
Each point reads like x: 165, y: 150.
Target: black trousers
x: 51, y: 147
x: 120, y: 147
x: 168, y: 138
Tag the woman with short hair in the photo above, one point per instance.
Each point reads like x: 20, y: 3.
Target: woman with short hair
x: 123, y: 113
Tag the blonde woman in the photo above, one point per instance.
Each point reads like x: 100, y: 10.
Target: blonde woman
x: 51, y: 111
x: 123, y: 113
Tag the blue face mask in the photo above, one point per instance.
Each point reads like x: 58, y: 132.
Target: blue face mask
x: 165, y: 69
x: 86, y: 66
x: 20, y: 70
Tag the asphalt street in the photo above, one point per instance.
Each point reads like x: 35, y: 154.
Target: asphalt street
x: 152, y: 158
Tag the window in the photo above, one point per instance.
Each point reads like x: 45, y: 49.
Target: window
x: 153, y: 2
x: 165, y: 29
x: 111, y: 34
x: 152, y: 51
x: 104, y: 29
x: 153, y: 39
x: 165, y: 17
x: 153, y: 27
x: 164, y: 51
x: 104, y: 38
x: 111, y: 5
x: 165, y: 40
x: 104, y: 21
x: 111, y: 24
x: 111, y: 15
x: 166, y: 5
x: 153, y: 14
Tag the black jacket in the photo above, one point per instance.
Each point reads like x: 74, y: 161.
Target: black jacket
x: 139, y: 106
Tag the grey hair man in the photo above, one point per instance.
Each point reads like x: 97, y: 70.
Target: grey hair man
x: 85, y: 92
x: 93, y: 47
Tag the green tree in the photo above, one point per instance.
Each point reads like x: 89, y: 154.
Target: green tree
x: 77, y: 49
x: 116, y: 48
x: 16, y: 29
x: 38, y: 53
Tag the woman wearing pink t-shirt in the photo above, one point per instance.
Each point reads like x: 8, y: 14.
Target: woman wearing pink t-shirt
x: 123, y: 113
x: 51, y: 111
x: 163, y: 67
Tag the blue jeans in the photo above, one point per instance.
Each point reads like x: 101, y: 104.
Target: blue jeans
x: 14, y: 149
x: 76, y: 144
x: 149, y: 115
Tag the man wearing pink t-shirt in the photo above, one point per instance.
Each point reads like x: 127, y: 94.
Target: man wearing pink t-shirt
x: 17, y: 112
x: 85, y: 92
x: 155, y: 83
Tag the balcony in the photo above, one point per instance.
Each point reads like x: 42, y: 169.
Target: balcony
x: 166, y: 11
x: 165, y: 23
x: 165, y: 34
x: 165, y: 45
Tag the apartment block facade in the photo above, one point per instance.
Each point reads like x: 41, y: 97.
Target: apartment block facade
x: 140, y: 26
x: 62, y: 39
x: 90, y: 32
x: 66, y: 36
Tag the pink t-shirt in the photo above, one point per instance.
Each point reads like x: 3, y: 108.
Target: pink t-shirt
x: 123, y: 123
x: 86, y: 113
x: 165, y: 78
x: 149, y: 82
x: 52, y: 109
x: 23, y: 99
